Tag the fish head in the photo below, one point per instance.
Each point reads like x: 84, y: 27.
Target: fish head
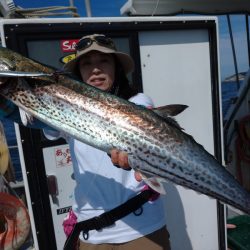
x: 6, y: 64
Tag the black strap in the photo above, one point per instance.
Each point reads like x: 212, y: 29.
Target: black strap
x: 106, y: 219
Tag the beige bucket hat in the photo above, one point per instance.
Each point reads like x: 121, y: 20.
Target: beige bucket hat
x: 99, y: 42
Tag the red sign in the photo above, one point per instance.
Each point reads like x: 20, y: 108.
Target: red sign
x: 68, y: 45
x: 62, y: 156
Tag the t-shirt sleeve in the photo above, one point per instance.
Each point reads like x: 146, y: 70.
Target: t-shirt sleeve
x: 51, y: 134
x: 143, y: 100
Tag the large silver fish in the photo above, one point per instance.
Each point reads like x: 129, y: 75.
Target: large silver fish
x: 156, y: 145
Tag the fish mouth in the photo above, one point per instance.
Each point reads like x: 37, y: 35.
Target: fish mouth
x: 3, y: 80
x: 7, y: 66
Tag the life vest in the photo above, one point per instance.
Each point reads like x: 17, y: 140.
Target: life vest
x: 14, y: 222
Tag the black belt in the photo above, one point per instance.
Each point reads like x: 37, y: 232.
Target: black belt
x: 106, y: 219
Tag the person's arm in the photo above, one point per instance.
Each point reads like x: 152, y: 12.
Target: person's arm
x: 8, y: 110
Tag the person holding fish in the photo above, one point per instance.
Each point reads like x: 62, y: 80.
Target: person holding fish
x: 101, y: 187
x: 114, y: 209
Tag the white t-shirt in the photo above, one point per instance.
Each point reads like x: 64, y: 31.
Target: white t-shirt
x: 100, y: 187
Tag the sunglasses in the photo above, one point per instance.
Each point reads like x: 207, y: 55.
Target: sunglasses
x: 100, y: 40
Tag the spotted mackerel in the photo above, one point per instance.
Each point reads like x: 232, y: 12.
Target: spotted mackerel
x: 156, y: 145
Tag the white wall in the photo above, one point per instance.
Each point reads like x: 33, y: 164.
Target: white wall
x: 176, y: 69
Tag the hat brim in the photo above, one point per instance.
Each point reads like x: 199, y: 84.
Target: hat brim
x: 125, y: 60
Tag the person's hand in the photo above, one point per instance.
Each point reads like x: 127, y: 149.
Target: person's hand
x: 120, y: 159
x: 230, y: 226
x: 138, y: 176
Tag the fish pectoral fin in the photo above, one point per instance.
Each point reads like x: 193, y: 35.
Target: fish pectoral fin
x: 25, y: 117
x: 156, y: 183
x: 170, y: 110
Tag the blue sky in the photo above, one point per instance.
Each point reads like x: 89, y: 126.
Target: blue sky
x: 99, y: 7
x: 240, y: 40
x: 112, y: 8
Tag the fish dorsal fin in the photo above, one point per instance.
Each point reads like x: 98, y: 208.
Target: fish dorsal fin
x: 170, y: 110
x: 167, y: 112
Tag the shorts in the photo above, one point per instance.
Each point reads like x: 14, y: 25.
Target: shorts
x: 158, y: 240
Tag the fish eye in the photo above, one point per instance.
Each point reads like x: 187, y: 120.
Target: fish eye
x: 6, y: 65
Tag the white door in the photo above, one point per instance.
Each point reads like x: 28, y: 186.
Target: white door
x: 61, y: 185
x: 176, y: 70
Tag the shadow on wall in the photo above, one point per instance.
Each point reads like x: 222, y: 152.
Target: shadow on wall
x: 175, y: 217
